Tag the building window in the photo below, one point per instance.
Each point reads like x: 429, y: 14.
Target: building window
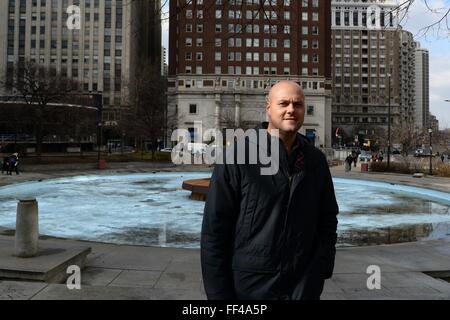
x: 310, y: 111
x: 193, y: 109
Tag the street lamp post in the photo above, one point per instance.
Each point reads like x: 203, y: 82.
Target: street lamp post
x: 389, y: 122
x: 99, y: 139
x: 430, y: 131
x: 98, y: 102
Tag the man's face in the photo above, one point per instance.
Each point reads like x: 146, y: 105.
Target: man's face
x: 286, y: 107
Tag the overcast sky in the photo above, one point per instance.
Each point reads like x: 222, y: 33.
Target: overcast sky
x: 437, y: 42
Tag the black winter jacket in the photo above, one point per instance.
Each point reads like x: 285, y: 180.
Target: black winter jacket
x: 269, y: 237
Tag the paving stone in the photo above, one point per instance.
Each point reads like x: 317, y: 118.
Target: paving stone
x: 18, y: 290
x: 136, y: 278
x: 60, y: 292
x: 417, y: 293
x: 366, y: 294
x: 186, y: 266
x: 50, y: 264
x: 331, y: 287
x: 179, y: 279
x: 352, y: 281
x: 98, y: 276
x: 332, y: 296
x: 135, y: 258
x: 407, y: 279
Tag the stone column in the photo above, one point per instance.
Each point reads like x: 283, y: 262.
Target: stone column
x: 217, y: 112
x: 27, y: 229
x: 237, y: 110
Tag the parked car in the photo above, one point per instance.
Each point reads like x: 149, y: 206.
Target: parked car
x: 365, y: 155
x: 419, y: 153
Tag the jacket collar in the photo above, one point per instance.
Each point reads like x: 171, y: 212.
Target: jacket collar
x: 301, y: 140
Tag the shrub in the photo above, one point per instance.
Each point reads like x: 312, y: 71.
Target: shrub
x: 396, y: 167
x: 442, y: 170
x: 439, y: 169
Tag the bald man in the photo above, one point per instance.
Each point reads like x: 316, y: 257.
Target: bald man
x: 272, y: 237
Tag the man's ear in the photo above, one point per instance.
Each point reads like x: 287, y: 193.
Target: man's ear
x: 267, y: 103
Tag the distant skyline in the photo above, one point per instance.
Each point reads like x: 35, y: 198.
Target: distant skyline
x: 437, y: 43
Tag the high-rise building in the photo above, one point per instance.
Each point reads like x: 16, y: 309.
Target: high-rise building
x: 422, y: 81
x: 433, y: 122
x: 101, y: 52
x: 366, y: 67
x: 164, y: 66
x: 224, y: 56
x: 407, y: 80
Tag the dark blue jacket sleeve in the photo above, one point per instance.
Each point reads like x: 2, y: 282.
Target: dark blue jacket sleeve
x: 328, y: 223
x: 219, y: 220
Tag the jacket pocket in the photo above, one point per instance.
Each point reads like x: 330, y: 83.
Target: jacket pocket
x: 252, y: 263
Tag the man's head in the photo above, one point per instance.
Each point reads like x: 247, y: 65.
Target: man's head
x: 286, y: 107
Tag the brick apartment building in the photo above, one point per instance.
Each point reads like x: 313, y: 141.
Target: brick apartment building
x: 224, y: 56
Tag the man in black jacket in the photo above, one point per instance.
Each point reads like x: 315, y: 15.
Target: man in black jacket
x: 272, y: 236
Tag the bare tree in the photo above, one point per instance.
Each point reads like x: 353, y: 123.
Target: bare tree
x: 404, y: 135
x: 440, y: 14
x: 145, y: 117
x: 38, y: 87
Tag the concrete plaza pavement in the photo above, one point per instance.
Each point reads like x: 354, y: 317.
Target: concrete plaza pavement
x: 138, y: 272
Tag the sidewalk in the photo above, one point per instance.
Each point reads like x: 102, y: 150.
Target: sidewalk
x: 132, y: 272
x: 430, y: 182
